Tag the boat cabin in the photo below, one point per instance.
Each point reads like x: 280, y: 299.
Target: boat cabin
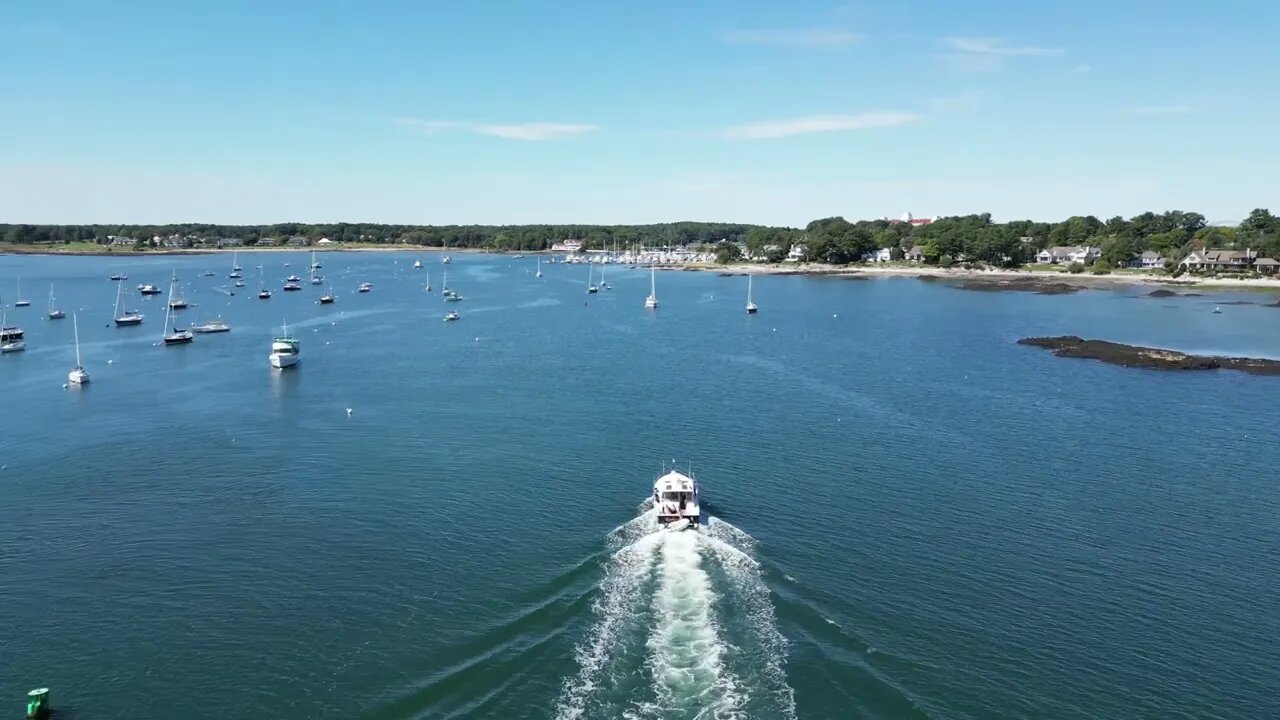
x: 675, y: 495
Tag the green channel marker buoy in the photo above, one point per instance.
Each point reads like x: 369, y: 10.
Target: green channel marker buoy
x: 38, y: 704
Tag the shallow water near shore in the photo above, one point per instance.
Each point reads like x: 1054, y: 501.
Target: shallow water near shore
x: 914, y: 517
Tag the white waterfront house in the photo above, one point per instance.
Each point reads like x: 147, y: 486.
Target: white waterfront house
x: 1082, y: 254
x: 797, y: 253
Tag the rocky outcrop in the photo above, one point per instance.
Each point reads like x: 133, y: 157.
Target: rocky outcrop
x: 1145, y: 357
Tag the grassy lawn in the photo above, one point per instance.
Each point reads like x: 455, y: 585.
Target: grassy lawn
x: 1046, y: 267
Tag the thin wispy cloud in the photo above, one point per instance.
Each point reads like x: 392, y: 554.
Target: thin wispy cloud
x: 533, y: 131
x: 1161, y: 110
x: 1081, y: 69
x: 996, y: 47
x: 808, y: 38
x: 811, y: 124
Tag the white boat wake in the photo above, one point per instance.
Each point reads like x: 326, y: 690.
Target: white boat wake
x: 683, y: 628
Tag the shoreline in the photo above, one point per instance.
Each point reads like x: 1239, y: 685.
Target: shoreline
x: 996, y: 276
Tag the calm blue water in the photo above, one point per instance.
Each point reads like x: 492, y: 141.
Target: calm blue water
x: 915, y: 517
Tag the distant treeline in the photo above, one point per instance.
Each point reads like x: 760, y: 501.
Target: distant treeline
x: 497, y: 237
x: 1173, y: 234
x: 833, y: 240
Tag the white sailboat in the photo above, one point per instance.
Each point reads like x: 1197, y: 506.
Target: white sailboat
x: 53, y: 312
x: 448, y: 293
x: 235, y: 267
x: 427, y: 286
x: 128, y: 317
x: 172, y: 335
x: 264, y: 293
x: 315, y: 279
x: 651, y: 302
x: 285, y: 350
x: 603, y: 285
x: 20, y: 302
x: 176, y: 301
x: 591, y: 286
x: 327, y: 298
x: 78, y: 375
x: 539, y: 273
x: 751, y: 305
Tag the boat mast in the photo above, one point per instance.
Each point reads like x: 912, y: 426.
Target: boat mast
x: 118, y: 289
x: 75, y: 324
x: 748, y: 291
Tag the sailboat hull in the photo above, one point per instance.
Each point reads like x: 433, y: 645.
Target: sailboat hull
x: 125, y: 321
x: 56, y: 315
x: 281, y: 361
x: 78, y: 377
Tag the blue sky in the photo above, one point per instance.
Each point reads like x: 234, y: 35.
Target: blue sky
x: 627, y: 112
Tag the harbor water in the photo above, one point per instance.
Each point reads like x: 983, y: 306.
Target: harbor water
x: 912, y: 516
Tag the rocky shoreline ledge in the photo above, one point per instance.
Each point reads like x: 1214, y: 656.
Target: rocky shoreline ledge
x: 1145, y: 357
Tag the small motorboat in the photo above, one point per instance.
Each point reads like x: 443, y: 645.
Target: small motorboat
x: 327, y: 299
x: 317, y: 280
x: 147, y: 289
x: 450, y: 316
x: 239, y: 283
x: 292, y: 284
x: 208, y: 273
x: 446, y: 259
x: 119, y: 276
x: 364, y: 287
x: 417, y: 264
x: 293, y: 278
x: 13, y: 346
x: 676, y: 499
x: 1217, y: 311
x: 217, y: 325
x: 264, y: 294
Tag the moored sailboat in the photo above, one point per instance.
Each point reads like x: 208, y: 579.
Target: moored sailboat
x: 78, y: 375
x: 128, y: 317
x: 172, y: 335
x: 10, y: 335
x: 53, y: 312
x: 651, y: 302
x: 751, y: 305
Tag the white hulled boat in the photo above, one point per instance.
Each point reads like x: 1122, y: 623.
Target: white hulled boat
x: 78, y: 375
x: 676, y: 499
x: 216, y: 325
x: 53, y: 312
x: 20, y: 302
x: 651, y: 302
x: 751, y: 305
x: 539, y: 273
x: 264, y: 293
x: 364, y: 287
x: 285, y: 350
x: 417, y: 264
x: 176, y: 301
x: 148, y: 289
x: 591, y: 286
x: 451, y: 316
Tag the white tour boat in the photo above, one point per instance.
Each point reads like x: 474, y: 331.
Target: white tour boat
x: 676, y: 499
x: 285, y: 350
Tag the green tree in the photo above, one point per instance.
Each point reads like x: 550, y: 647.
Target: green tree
x: 727, y: 252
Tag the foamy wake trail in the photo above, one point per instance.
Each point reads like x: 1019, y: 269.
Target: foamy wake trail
x: 769, y: 651
x: 639, y: 526
x: 620, y: 598
x: 686, y: 654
